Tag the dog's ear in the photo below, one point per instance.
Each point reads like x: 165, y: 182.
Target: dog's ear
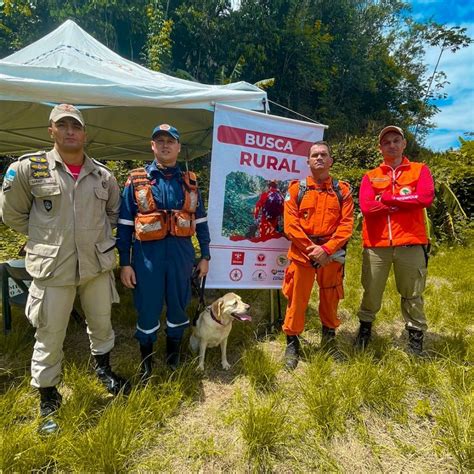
x: 220, y: 309
x: 217, y: 308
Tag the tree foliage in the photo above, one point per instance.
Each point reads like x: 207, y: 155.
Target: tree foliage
x: 353, y: 65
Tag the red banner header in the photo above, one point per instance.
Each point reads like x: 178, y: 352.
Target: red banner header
x: 262, y: 141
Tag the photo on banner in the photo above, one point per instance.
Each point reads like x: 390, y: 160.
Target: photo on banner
x: 255, y: 156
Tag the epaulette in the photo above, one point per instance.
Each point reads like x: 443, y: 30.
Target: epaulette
x: 349, y: 187
x: 28, y: 155
x: 293, y: 182
x: 101, y: 164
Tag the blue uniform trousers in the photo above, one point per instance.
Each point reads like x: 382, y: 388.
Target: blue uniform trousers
x: 163, y: 270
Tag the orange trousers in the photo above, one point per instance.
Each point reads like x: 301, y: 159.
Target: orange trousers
x: 297, y: 288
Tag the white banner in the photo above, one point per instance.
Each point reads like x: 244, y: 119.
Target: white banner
x: 254, y: 158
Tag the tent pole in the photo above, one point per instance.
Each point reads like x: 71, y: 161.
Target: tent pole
x: 272, y: 311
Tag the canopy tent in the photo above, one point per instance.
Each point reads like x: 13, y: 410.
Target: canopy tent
x: 121, y: 101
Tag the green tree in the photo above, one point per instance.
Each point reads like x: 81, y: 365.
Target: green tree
x: 157, y: 51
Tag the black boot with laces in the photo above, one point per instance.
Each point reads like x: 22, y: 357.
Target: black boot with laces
x: 112, y: 382
x: 292, y: 352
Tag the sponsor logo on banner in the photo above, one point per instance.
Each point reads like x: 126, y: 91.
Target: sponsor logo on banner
x: 260, y: 260
x: 278, y: 274
x: 282, y: 260
x: 235, y: 274
x: 259, y: 275
x: 238, y: 258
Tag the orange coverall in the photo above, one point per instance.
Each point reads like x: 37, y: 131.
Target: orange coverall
x: 322, y: 220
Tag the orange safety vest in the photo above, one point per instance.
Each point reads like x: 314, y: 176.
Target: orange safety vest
x: 405, y: 227
x: 152, y: 223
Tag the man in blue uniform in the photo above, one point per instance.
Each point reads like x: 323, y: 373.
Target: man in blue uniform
x: 161, y: 209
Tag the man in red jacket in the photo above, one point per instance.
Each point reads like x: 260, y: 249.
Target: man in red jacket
x: 393, y: 198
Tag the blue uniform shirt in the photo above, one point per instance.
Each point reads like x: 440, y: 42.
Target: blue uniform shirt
x: 167, y: 189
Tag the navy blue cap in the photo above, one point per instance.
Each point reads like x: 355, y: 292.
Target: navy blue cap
x: 165, y: 128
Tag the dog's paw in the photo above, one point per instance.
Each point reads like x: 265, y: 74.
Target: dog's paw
x: 225, y: 365
x: 201, y: 367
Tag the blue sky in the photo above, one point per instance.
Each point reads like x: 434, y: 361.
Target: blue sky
x: 457, y: 110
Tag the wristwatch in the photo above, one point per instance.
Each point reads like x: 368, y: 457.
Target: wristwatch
x: 205, y: 257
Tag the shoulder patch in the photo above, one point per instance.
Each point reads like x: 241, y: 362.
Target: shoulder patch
x: 8, y: 179
x: 10, y: 174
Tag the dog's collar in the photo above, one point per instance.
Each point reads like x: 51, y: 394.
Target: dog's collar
x: 213, y: 317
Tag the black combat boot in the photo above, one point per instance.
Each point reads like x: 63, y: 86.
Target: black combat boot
x: 146, y: 364
x: 173, y: 346
x: 50, y: 400
x: 292, y: 352
x: 363, y: 336
x: 328, y: 336
x: 415, y: 342
x: 328, y: 344
x: 112, y: 382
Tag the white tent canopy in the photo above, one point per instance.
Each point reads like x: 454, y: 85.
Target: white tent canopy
x: 121, y: 101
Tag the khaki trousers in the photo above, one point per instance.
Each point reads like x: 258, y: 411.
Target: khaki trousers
x: 49, y: 308
x: 409, y: 266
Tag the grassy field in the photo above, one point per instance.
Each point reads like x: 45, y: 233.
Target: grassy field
x: 381, y: 410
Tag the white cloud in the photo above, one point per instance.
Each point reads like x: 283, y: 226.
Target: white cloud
x: 457, y: 115
x: 443, y: 140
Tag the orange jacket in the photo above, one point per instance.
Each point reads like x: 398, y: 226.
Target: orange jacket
x: 393, y: 201
x: 318, y: 215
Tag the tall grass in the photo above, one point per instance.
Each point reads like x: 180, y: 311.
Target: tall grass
x: 378, y: 410
x: 322, y: 395
x: 263, y: 429
x: 260, y: 368
x: 455, y: 428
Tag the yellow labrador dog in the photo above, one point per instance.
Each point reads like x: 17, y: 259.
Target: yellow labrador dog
x: 214, y: 324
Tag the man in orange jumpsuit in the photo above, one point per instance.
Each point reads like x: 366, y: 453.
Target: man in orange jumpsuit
x: 318, y: 224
